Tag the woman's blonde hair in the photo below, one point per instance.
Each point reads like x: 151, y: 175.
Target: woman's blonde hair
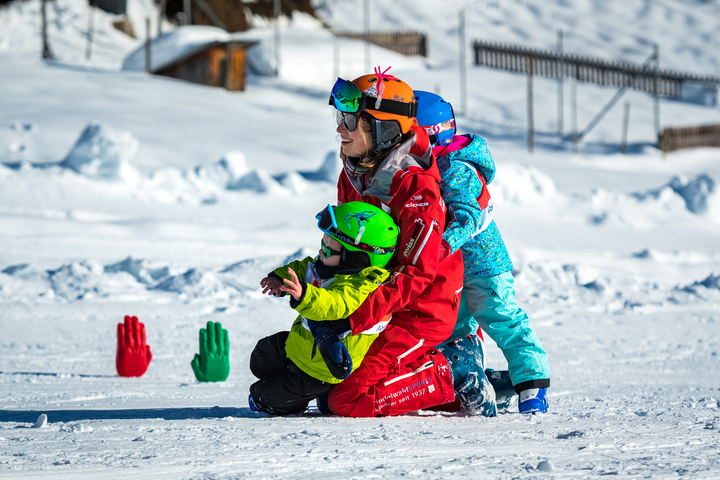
x: 374, y: 159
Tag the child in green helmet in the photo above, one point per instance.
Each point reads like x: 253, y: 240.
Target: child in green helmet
x: 320, y: 351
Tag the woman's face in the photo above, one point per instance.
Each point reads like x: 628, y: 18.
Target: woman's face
x: 356, y: 143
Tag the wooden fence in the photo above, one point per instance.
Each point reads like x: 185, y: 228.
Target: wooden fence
x: 554, y: 64
x: 678, y: 138
x: 408, y: 43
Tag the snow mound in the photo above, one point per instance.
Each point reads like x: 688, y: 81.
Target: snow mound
x: 712, y: 281
x: 550, y: 273
x: 258, y: 181
x: 76, y: 281
x: 700, y: 193
x: 13, y: 269
x: 697, y: 195
x: 231, y: 173
x: 246, y: 274
x: 329, y: 171
x: 76, y: 428
x: 707, y: 289
x: 195, y: 283
x: 292, y: 181
x: 24, y: 280
x: 102, y: 152
x: 137, y: 278
x: 548, y: 286
x: 174, y: 185
x: 139, y: 269
x: 518, y: 184
x: 648, y: 253
x: 173, y: 45
x: 203, y: 183
x: 226, y: 172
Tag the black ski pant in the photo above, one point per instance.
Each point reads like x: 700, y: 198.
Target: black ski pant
x: 283, y: 388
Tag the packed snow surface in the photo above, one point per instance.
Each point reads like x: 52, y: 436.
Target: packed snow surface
x: 127, y: 194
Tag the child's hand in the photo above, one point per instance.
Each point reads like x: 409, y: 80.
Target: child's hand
x: 292, y: 286
x: 272, y: 286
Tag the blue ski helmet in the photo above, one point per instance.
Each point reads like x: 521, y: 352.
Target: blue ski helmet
x: 436, y: 116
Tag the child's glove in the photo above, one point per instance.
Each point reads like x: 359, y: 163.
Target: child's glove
x: 133, y: 354
x: 213, y: 362
x: 332, y: 349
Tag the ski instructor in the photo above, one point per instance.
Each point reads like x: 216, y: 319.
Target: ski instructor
x: 388, y: 162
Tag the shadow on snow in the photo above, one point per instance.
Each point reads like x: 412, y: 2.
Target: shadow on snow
x: 30, y: 416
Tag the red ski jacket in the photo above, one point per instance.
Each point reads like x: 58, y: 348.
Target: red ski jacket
x: 423, y: 291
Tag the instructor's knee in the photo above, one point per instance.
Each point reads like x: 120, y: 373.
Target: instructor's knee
x: 335, y: 403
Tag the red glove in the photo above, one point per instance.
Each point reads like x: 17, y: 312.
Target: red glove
x: 133, y: 354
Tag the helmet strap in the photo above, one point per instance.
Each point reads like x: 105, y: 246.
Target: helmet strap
x: 353, y: 260
x: 324, y: 271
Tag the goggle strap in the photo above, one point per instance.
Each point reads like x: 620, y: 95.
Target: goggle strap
x: 338, y: 235
x: 388, y: 106
x: 443, y: 126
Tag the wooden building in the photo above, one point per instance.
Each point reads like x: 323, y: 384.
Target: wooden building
x: 218, y: 64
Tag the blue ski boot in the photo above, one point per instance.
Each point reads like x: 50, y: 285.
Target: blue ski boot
x: 467, y: 359
x: 533, y: 400
x: 251, y: 404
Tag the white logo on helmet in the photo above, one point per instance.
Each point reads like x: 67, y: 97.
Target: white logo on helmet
x: 372, y: 91
x: 417, y: 197
x: 440, y: 127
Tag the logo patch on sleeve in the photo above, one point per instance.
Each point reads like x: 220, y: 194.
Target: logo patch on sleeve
x: 417, y: 231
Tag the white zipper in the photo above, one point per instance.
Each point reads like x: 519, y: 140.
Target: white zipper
x: 419, y: 344
x: 422, y: 245
x: 425, y: 366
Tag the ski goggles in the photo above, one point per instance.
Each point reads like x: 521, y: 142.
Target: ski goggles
x: 345, y: 96
x: 326, y: 220
x: 348, y: 98
x: 348, y: 119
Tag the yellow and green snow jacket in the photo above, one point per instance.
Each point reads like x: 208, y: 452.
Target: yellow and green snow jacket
x: 329, y: 299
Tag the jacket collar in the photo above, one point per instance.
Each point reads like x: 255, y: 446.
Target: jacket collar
x: 412, y: 157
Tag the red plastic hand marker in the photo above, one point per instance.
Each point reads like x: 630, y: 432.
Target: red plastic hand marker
x: 133, y: 353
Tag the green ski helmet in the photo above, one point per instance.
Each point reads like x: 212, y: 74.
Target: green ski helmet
x: 367, y: 234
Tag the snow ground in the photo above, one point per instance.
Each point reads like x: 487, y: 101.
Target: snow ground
x: 124, y: 194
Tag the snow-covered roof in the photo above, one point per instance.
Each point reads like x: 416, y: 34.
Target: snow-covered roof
x: 176, y: 45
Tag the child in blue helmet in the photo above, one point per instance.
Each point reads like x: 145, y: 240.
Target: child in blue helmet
x: 488, y: 297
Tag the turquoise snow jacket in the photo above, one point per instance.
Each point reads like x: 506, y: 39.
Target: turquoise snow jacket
x: 466, y: 167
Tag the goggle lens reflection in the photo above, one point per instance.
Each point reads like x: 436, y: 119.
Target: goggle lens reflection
x: 346, y: 96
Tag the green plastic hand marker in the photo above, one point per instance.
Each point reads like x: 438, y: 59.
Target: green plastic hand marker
x: 213, y: 362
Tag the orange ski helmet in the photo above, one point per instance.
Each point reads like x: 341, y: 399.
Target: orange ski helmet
x: 388, y: 100
x: 392, y: 89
